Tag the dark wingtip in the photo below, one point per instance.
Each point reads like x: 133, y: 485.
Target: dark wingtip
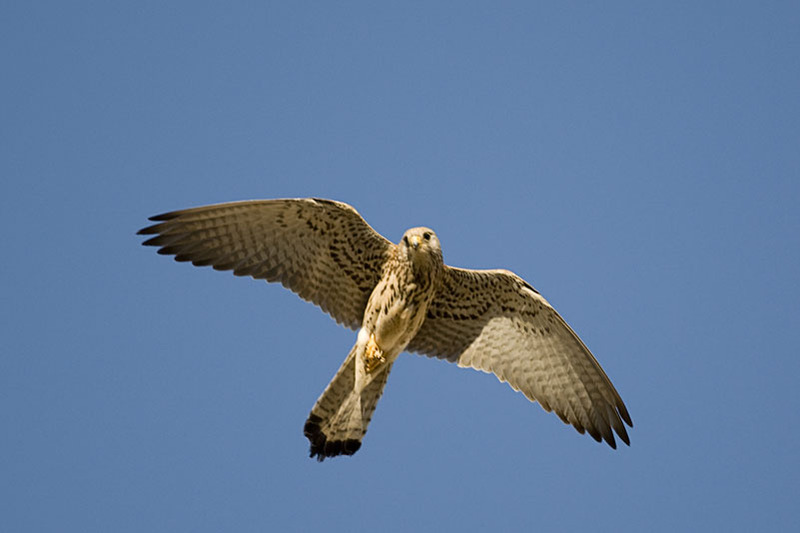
x: 623, y: 411
x: 153, y: 229
x: 163, y: 216
x: 618, y: 427
x: 321, y: 447
x: 623, y: 435
x: 149, y: 230
x: 152, y: 241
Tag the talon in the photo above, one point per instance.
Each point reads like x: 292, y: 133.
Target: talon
x: 373, y: 355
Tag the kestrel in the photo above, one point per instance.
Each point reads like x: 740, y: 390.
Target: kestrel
x: 400, y: 297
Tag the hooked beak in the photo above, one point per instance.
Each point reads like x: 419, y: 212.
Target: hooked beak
x: 414, y: 241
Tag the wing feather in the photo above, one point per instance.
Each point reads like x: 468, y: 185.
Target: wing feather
x: 320, y: 249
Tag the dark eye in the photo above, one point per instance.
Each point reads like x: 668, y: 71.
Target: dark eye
x: 405, y: 239
x: 426, y: 236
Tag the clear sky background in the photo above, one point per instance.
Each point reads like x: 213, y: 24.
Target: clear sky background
x: 638, y: 164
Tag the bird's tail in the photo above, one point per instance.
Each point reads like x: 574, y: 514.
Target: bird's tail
x: 339, y: 419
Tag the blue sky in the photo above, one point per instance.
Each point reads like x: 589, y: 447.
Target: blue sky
x: 638, y: 164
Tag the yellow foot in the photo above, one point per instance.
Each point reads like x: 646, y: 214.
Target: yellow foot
x: 373, y: 355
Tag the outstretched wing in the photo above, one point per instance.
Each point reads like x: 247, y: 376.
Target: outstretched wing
x: 320, y: 249
x: 493, y: 321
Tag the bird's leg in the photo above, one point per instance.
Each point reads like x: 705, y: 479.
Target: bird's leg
x: 373, y: 355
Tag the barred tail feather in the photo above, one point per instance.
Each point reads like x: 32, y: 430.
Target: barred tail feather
x: 339, y: 419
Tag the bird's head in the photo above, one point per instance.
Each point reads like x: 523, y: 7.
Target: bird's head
x: 421, y: 242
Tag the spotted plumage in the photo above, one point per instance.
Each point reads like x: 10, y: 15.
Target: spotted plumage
x: 400, y: 297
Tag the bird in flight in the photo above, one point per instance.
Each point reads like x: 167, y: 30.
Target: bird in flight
x: 399, y: 297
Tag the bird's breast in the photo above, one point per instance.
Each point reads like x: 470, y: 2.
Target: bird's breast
x: 395, y: 311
